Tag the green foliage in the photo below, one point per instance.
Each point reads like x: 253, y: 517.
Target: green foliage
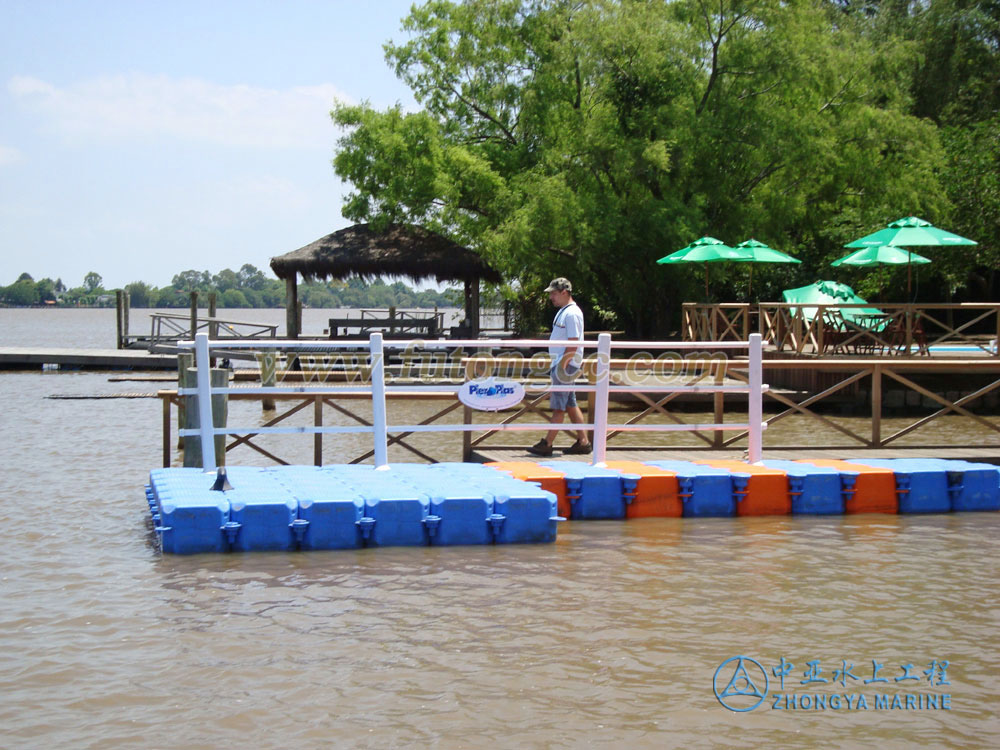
x: 20, y: 293
x: 248, y: 287
x: 92, y: 282
x: 589, y: 139
x: 141, y: 294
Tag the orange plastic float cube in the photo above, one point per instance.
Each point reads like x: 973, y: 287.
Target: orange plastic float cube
x: 656, y: 491
x: 549, y: 479
x: 766, y: 492
x: 874, y: 490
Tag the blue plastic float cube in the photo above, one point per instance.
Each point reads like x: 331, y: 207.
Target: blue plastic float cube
x: 188, y: 515
x: 921, y: 484
x: 329, y: 511
x: 973, y: 486
x: 264, y: 509
x: 595, y: 492
x: 394, y: 515
x: 815, y: 490
x: 524, y: 514
x: 707, y: 491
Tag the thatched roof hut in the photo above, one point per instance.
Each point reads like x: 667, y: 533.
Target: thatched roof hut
x: 400, y: 250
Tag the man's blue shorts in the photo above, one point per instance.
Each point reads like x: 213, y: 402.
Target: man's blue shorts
x: 562, y: 400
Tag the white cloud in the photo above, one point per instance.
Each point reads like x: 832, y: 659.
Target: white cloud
x: 141, y: 106
x: 9, y: 155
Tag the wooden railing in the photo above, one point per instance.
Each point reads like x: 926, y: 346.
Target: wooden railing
x: 973, y: 406
x: 899, y: 330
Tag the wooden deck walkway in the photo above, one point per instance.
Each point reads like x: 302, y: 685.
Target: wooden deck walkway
x: 23, y: 358
x: 989, y: 455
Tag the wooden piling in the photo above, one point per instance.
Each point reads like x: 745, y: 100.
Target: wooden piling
x: 119, y: 301
x: 213, y: 328
x: 194, y: 314
x: 268, y: 371
x: 185, y: 379
x: 126, y: 307
x: 718, y: 402
x: 220, y: 412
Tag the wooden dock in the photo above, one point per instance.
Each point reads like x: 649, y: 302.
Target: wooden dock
x: 988, y: 455
x: 34, y: 358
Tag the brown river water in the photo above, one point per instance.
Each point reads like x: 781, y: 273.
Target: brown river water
x: 611, y: 637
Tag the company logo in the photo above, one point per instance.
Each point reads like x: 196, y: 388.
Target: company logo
x: 491, y: 394
x: 742, y: 684
x: 745, y: 683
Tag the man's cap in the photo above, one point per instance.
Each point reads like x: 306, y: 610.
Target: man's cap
x: 561, y: 284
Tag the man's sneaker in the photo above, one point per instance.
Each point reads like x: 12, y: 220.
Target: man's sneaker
x: 579, y: 448
x: 541, y: 448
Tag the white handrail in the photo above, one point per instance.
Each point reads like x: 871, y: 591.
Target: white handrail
x: 378, y: 390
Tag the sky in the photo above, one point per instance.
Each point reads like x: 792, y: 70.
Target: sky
x: 142, y: 138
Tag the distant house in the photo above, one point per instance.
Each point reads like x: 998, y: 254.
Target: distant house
x: 104, y: 300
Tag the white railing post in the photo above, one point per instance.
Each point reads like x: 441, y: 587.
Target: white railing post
x: 206, y: 424
x: 378, y: 401
x: 756, y: 395
x: 602, y: 382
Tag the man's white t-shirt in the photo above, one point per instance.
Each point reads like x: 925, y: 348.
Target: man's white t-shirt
x: 567, y: 326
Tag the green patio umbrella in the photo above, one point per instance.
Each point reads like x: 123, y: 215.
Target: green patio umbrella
x: 880, y: 255
x: 761, y: 253
x: 909, y: 232
x: 705, y: 250
x: 829, y: 293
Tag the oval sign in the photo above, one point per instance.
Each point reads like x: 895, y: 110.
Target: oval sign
x: 491, y: 394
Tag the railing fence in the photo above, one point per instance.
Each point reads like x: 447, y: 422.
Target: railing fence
x: 378, y: 389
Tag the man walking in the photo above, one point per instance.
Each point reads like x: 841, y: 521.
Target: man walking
x: 566, y: 363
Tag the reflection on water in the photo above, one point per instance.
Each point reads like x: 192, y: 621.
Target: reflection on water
x: 608, y: 638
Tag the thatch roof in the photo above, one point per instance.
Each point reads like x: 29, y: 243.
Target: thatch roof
x: 401, y: 250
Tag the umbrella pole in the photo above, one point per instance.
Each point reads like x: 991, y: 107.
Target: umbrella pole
x: 706, y: 282
x: 750, y: 285
x: 909, y: 278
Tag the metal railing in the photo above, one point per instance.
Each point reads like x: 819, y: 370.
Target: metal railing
x: 377, y: 390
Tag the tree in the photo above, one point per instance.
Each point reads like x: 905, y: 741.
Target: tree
x: 233, y: 298
x: 187, y: 281
x: 92, y: 281
x: 226, y: 279
x: 589, y: 139
x: 141, y: 294
x: 25, y: 277
x: 250, y: 277
x: 21, y: 293
x: 46, y: 289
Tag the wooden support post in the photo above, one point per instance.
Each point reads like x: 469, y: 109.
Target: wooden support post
x: 291, y: 318
x: 185, y: 379
x: 909, y: 331
x: 194, y: 315
x: 268, y: 376
x: 876, y: 406
x: 127, y: 310
x: 392, y: 319
x: 466, y: 436
x: 166, y: 432
x: 719, y: 407
x: 119, y: 302
x: 220, y: 413
x: 213, y: 328
x: 318, y: 437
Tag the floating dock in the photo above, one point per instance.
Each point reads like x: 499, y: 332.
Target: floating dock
x: 354, y: 506
x: 21, y: 358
